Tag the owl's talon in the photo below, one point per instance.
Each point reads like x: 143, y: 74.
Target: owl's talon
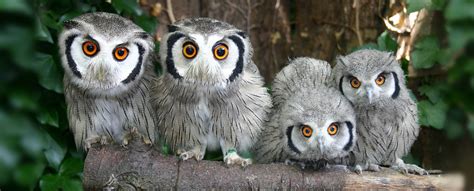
x: 232, y: 158
x: 408, y: 168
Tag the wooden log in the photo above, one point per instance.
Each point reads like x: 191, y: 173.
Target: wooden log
x: 144, y: 168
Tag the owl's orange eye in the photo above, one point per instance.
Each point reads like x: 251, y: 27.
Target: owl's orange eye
x: 307, y: 131
x: 380, y: 80
x: 355, y: 83
x: 189, y: 50
x: 221, y: 51
x: 120, y: 53
x: 332, y: 129
x: 89, y: 48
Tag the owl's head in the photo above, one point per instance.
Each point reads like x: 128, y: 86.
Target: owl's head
x: 318, y: 124
x: 104, y: 53
x: 368, y: 76
x: 204, y: 50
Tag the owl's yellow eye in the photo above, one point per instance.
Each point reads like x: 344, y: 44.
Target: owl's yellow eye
x: 307, y: 131
x: 189, y: 50
x: 332, y: 129
x: 120, y: 53
x: 89, y: 48
x: 221, y: 51
x: 355, y: 83
x: 380, y: 80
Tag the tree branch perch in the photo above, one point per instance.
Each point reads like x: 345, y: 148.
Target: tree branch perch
x: 141, y: 167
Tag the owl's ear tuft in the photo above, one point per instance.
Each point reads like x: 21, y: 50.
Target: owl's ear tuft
x: 70, y: 24
x: 342, y: 60
x: 242, y: 34
x: 172, y: 28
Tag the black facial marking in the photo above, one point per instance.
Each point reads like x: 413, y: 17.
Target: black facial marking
x: 70, y: 61
x: 172, y: 28
x: 143, y: 35
x: 242, y: 34
x: 351, y: 136
x: 240, y: 62
x: 290, y: 142
x: 70, y: 24
x: 169, y: 55
x: 397, y: 86
x: 138, y: 67
x: 340, y: 85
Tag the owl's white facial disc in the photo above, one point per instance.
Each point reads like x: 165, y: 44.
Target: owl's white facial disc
x: 103, y: 63
x: 208, y: 59
x: 376, y: 87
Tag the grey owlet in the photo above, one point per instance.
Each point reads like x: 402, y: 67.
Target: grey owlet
x: 108, y: 72
x: 310, y: 122
x: 211, y: 94
x: 387, y: 121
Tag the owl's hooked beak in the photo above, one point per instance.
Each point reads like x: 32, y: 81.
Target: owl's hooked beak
x: 370, y: 93
x: 100, y: 73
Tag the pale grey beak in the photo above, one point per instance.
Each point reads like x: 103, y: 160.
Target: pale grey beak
x: 370, y: 94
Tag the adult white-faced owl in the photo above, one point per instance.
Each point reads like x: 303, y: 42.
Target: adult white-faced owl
x: 108, y: 71
x: 211, y: 94
x: 310, y: 122
x: 387, y: 126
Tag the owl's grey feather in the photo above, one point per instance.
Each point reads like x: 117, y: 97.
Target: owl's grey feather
x: 301, y: 73
x: 203, y: 103
x: 387, y: 123
x: 305, y: 99
x: 107, y: 100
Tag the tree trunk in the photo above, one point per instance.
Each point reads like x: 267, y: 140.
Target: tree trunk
x: 140, y: 167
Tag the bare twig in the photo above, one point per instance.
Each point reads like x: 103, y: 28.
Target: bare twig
x: 356, y: 6
x: 169, y: 10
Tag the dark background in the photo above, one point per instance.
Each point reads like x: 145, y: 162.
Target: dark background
x: 436, y: 52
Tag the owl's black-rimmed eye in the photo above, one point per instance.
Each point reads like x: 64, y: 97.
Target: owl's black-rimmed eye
x: 120, y: 53
x: 355, y: 83
x: 90, y: 48
x: 380, y: 80
x: 189, y: 50
x: 333, y: 128
x: 221, y: 51
x: 307, y: 131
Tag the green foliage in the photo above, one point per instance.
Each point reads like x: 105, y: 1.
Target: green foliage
x: 37, y: 150
x: 447, y: 102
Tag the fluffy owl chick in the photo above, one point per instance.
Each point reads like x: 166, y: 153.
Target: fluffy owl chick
x: 108, y: 72
x: 374, y: 83
x: 211, y: 95
x: 312, y: 122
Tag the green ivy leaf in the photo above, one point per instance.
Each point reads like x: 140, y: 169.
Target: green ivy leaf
x: 432, y: 92
x: 54, y: 153
x: 386, y: 42
x: 48, y: 116
x: 28, y: 174
x: 425, y: 53
x: 16, y: 6
x: 147, y: 23
x: 416, y: 5
x: 42, y: 32
x: 57, y: 182
x: 49, y: 75
x: 128, y: 6
x: 433, y: 115
x: 459, y: 9
x: 71, y: 167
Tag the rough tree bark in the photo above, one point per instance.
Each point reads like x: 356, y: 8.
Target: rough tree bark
x: 140, y: 167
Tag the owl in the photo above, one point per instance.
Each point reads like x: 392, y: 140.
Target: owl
x: 310, y: 123
x: 387, y: 126
x: 211, y: 94
x: 108, y: 67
